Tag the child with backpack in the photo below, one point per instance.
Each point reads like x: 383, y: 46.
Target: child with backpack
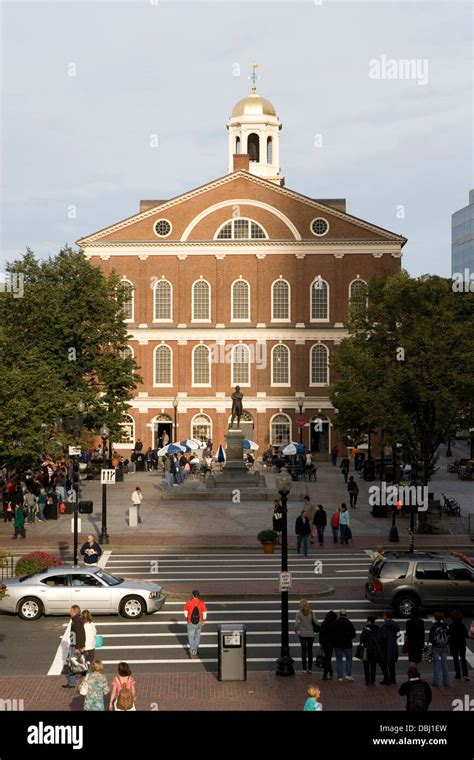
x: 417, y: 692
x: 439, y: 639
x: 123, y: 694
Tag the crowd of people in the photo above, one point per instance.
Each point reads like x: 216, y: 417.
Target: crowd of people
x: 311, y: 524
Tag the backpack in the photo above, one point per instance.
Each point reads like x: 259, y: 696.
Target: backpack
x: 440, y: 638
x: 125, y: 698
x: 195, y: 616
x: 417, y: 698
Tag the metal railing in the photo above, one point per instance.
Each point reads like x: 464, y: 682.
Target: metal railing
x: 7, y: 566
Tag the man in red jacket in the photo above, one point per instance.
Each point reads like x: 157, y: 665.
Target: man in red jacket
x: 195, y: 612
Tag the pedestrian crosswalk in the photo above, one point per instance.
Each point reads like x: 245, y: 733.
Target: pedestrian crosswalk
x: 239, y: 566
x: 159, y: 642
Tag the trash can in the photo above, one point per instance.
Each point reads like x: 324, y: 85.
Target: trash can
x: 119, y: 473
x: 232, y: 652
x: 133, y: 516
x: 51, y: 507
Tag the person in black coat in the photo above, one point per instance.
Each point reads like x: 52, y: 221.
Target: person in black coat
x: 369, y: 640
x: 320, y: 520
x: 388, y: 648
x: 417, y: 692
x: 457, y: 644
x: 303, y: 531
x: 415, y: 637
x: 326, y: 642
x: 343, y: 636
x: 344, y: 466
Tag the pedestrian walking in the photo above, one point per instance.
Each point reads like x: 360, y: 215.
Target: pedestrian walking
x: 310, y: 510
x: 334, y: 455
x: 90, y: 633
x: 344, y: 467
x: 371, y: 649
x: 303, y: 531
x: 195, y: 612
x: 77, y: 642
x: 91, y: 551
x: 277, y: 518
x: 353, y: 491
x: 94, y: 688
x: 335, y: 525
x: 417, y: 692
x: 457, y: 644
x: 344, y: 525
x: 343, y: 635
x: 124, y: 692
x: 415, y: 638
x: 320, y: 521
x: 312, y: 704
x: 30, y: 506
x: 19, y: 524
x: 388, y: 642
x: 42, y: 504
x: 306, y: 626
x: 137, y: 498
x: 378, y: 553
x: 439, y: 638
x: 326, y: 642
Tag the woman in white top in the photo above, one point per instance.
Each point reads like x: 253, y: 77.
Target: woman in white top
x: 91, y: 633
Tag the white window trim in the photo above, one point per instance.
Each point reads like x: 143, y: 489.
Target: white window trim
x: 233, y: 381
x: 247, y: 319
x: 288, y: 319
x: 318, y: 385
x: 243, y: 219
x: 162, y: 219
x: 272, y: 383
x: 193, y: 383
x: 123, y: 445
x: 356, y: 279
x: 131, y: 349
x: 162, y: 321
x: 323, y: 219
x: 129, y: 282
x: 162, y: 385
x: 324, y: 320
x: 201, y: 414
x: 271, y: 424
x: 201, y: 321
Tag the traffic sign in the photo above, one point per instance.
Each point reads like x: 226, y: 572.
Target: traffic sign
x: 74, y: 451
x: 285, y: 581
x: 107, y: 476
x: 301, y: 421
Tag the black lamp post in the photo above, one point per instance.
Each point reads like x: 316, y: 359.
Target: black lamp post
x: 285, y: 661
x: 393, y: 536
x: 104, y: 536
x: 471, y: 433
x: 175, y: 429
x: 300, y: 404
x: 76, y: 480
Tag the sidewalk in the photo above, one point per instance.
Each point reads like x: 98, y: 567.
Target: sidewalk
x: 202, y: 691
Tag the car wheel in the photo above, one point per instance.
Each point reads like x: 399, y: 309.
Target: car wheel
x: 405, y: 604
x: 132, y: 607
x: 30, y: 608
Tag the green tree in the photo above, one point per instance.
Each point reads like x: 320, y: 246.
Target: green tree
x: 408, y: 366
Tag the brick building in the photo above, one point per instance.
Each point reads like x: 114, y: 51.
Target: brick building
x: 240, y: 282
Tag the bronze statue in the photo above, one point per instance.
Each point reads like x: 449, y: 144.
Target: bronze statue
x: 237, y: 409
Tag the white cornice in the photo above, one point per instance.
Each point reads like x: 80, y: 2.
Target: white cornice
x: 220, y: 405
x: 233, y: 334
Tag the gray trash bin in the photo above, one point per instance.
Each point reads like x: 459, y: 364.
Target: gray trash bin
x: 232, y: 652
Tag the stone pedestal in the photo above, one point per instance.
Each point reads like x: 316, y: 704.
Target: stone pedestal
x: 235, y: 452
x: 235, y: 474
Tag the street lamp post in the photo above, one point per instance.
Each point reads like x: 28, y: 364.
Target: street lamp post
x: 393, y: 536
x: 300, y: 404
x: 175, y: 429
x: 285, y: 661
x: 104, y: 536
x: 76, y: 481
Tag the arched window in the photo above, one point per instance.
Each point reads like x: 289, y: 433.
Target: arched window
x: 280, y: 430
x: 201, y: 428
x: 280, y: 301
x: 241, y: 229
x: 269, y: 150
x: 163, y: 301
x: 126, y: 353
x: 319, y: 301
x: 240, y: 301
x: 237, y: 144
x: 319, y: 365
x: 128, y: 430
x: 201, y: 298
x: 163, y: 365
x: 201, y: 366
x: 355, y: 287
x: 129, y: 301
x: 280, y: 365
x: 253, y: 147
x: 240, y: 365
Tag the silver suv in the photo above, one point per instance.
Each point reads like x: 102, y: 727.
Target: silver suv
x: 422, y: 579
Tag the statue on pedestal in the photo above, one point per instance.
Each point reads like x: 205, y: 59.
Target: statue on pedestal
x: 237, y: 409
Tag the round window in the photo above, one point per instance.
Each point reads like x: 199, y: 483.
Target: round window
x: 319, y: 227
x: 162, y: 227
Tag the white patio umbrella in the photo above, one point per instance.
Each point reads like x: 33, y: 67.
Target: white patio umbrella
x: 171, y: 448
x: 250, y: 445
x: 191, y: 443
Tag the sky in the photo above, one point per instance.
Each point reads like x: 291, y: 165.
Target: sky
x: 86, y: 85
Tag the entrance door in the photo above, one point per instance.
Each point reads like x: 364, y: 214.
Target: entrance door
x: 160, y: 428
x: 319, y: 435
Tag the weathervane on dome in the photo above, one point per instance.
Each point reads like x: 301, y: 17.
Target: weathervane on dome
x: 253, y: 77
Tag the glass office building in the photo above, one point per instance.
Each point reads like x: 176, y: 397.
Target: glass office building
x: 462, y: 238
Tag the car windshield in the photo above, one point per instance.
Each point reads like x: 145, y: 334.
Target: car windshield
x: 110, y: 580
x: 31, y: 575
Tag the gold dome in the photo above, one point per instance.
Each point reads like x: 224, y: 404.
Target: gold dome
x: 253, y: 105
